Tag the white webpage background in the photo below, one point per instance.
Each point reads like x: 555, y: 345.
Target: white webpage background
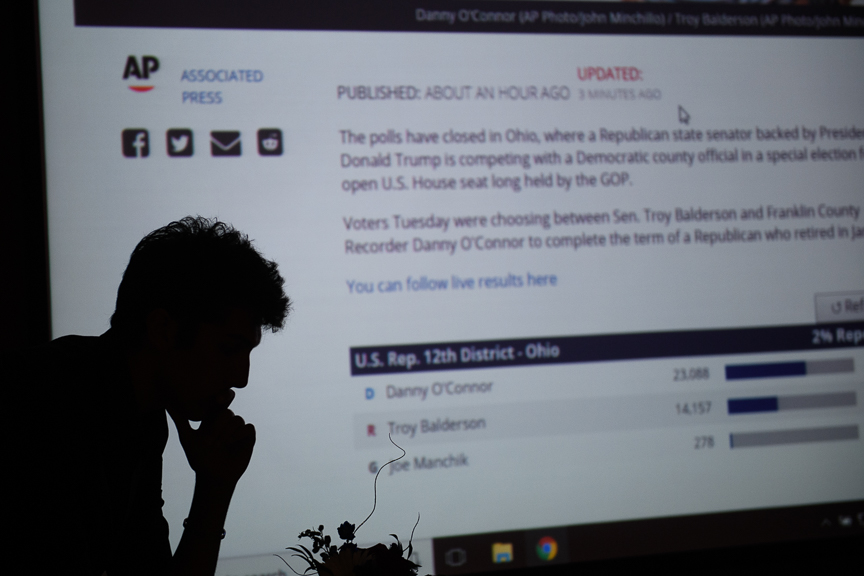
x: 301, y: 397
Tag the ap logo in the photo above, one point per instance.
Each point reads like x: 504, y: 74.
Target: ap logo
x: 142, y: 71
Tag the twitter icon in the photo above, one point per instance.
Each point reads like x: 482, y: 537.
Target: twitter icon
x: 179, y: 142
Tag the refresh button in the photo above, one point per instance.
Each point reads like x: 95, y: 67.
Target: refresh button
x: 833, y: 307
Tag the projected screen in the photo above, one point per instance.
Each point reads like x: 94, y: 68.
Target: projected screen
x: 597, y: 268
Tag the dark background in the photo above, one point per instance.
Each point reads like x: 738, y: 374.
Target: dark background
x: 26, y: 318
x: 26, y: 315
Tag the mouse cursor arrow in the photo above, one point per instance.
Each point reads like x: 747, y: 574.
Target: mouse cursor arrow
x: 683, y: 116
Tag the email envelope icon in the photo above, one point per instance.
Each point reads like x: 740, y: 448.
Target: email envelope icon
x: 225, y: 143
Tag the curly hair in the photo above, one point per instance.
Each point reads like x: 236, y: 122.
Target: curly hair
x: 197, y: 269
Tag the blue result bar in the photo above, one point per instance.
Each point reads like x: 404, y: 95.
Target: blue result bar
x: 748, y: 405
x: 780, y: 369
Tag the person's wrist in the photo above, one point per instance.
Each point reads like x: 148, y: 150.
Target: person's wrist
x: 186, y: 525
x: 214, y: 486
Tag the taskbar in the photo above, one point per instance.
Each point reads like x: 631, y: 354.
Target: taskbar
x: 561, y: 545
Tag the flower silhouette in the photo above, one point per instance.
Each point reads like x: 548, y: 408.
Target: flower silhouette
x: 346, y: 531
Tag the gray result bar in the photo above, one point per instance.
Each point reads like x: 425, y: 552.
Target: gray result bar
x: 800, y: 436
x: 837, y: 366
x: 806, y: 401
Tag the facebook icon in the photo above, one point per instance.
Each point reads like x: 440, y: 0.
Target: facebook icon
x: 370, y: 393
x: 136, y: 143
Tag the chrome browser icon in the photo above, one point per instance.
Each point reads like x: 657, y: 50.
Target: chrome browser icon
x: 547, y: 548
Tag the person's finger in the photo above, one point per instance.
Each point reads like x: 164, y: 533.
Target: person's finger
x: 246, y: 434
x: 218, y: 419
x: 244, y: 440
x: 224, y: 424
x: 235, y: 424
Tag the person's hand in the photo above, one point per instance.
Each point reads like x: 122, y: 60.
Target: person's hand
x: 220, y: 449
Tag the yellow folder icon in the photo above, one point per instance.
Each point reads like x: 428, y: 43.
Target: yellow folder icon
x: 502, y: 552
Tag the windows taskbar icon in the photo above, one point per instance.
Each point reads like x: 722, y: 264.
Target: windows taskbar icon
x: 502, y: 552
x: 547, y: 548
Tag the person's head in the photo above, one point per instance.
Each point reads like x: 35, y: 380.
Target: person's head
x: 199, y: 293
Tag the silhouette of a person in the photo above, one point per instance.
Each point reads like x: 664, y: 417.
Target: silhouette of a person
x: 89, y: 413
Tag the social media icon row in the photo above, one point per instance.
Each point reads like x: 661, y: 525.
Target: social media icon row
x: 179, y: 142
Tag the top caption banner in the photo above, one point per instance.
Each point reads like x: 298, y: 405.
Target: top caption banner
x: 509, y: 17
